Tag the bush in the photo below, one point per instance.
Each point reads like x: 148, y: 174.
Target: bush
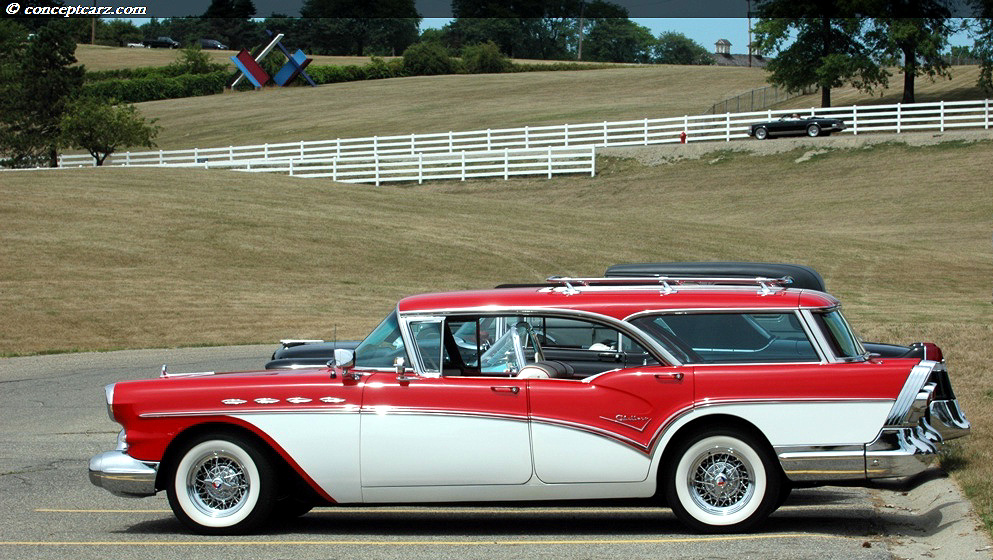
x: 152, y: 88
x: 427, y: 59
x: 485, y: 58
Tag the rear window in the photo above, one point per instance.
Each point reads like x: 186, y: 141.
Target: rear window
x: 732, y: 337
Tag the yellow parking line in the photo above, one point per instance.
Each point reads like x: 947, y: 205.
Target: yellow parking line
x: 531, y: 542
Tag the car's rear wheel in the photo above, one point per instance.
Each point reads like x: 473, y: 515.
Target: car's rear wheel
x: 722, y: 481
x: 761, y: 133
x: 813, y: 130
x: 222, y: 485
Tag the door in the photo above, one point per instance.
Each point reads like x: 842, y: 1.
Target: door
x: 444, y: 431
x: 604, y: 430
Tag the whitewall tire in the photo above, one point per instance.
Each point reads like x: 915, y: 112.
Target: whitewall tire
x: 722, y: 481
x: 222, y: 485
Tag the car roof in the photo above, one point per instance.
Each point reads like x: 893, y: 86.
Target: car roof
x: 618, y: 302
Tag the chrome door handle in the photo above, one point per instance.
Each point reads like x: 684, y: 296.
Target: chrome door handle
x: 674, y: 376
x: 504, y: 389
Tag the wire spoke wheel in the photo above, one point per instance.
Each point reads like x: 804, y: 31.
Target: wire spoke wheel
x: 221, y: 485
x: 722, y: 480
x: 218, y: 485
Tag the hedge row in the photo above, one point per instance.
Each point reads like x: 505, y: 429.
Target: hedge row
x: 134, y: 85
x: 152, y: 88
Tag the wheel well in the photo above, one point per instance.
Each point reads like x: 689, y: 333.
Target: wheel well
x: 713, y: 421
x: 287, y: 476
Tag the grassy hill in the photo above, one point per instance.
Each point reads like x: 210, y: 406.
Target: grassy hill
x: 441, y: 103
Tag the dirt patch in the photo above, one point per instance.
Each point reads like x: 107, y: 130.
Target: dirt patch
x: 664, y: 154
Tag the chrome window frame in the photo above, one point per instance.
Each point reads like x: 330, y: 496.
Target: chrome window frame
x: 656, y: 350
x: 806, y: 322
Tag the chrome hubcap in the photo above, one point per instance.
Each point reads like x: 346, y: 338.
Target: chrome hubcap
x: 218, y: 485
x: 721, y: 482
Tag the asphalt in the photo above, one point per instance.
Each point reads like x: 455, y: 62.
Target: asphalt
x: 52, y: 419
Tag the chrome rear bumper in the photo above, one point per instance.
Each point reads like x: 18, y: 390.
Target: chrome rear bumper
x: 123, y: 475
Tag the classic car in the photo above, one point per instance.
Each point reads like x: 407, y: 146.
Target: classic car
x: 716, y: 395
x: 796, y: 125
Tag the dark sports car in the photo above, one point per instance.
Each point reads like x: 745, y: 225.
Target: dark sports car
x: 795, y: 125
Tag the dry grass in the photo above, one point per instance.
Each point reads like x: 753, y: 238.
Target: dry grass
x: 441, y: 103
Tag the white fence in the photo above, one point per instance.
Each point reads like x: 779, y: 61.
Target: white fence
x: 421, y: 167
x: 897, y: 118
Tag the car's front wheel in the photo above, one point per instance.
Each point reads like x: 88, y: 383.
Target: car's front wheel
x: 813, y: 130
x: 722, y: 481
x: 222, y: 485
x: 761, y: 133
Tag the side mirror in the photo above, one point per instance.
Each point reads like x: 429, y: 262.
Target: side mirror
x: 344, y: 358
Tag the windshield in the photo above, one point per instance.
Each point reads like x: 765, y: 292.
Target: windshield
x: 382, y: 346
x: 843, y: 341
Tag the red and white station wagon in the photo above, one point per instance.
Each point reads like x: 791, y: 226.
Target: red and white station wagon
x: 716, y: 395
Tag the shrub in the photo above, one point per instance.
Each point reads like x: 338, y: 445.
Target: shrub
x: 427, y: 59
x: 152, y: 88
x: 485, y: 58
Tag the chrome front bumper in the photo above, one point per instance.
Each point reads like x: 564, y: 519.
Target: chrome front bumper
x: 123, y: 475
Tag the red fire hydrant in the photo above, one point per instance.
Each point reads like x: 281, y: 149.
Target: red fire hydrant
x: 682, y: 137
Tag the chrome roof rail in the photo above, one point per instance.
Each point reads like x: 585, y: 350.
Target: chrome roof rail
x: 667, y: 283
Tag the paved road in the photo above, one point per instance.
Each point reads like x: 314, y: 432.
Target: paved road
x: 52, y: 419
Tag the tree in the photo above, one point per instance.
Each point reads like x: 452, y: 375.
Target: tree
x: 675, y: 48
x: 912, y: 35
x: 619, y: 40
x: 826, y: 51
x: 982, y: 33
x: 39, y: 80
x: 100, y: 128
x: 355, y: 26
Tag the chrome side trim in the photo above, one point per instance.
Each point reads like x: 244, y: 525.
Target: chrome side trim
x: 123, y: 475
x: 822, y: 462
x: 915, y: 381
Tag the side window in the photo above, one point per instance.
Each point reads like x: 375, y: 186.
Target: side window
x: 428, y: 343
x: 732, y: 337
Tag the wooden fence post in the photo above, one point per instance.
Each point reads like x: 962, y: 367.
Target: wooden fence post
x: 898, y: 117
x: 506, y: 164
x: 549, y: 163
x: 420, y: 169
x: 855, y: 120
x: 941, y: 112
x: 463, y: 165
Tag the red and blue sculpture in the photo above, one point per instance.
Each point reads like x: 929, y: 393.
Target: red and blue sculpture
x: 249, y: 66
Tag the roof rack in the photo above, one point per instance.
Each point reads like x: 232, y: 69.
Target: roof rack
x: 765, y: 284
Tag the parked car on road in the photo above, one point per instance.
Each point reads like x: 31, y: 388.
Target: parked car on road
x: 716, y: 395
x: 796, y: 125
x: 161, y: 43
